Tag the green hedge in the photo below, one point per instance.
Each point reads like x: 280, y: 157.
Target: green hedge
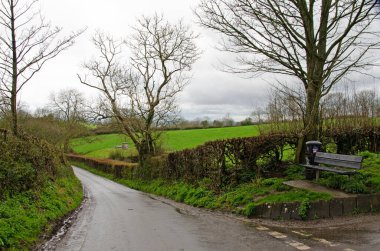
x: 231, y: 162
x: 117, y: 168
x: 27, y: 162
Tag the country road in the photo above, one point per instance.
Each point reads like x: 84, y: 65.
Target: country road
x: 118, y: 218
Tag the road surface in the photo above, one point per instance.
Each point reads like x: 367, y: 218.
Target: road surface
x: 118, y: 218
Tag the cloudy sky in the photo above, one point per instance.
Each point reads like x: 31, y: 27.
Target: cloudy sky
x: 211, y: 93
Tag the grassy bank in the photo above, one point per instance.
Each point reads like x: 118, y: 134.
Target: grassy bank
x: 241, y: 199
x: 367, y: 180
x: 25, y: 216
x: 101, y: 145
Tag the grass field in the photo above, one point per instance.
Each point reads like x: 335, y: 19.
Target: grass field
x: 101, y: 145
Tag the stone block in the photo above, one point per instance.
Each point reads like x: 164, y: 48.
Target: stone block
x: 375, y: 202
x: 276, y: 211
x: 336, y: 207
x: 286, y: 211
x: 319, y: 209
x: 295, y: 212
x: 264, y: 211
x: 363, y: 203
x: 349, y: 205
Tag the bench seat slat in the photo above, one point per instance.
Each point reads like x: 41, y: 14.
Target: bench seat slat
x: 323, y: 168
x: 349, y: 158
x: 339, y: 163
x: 339, y: 160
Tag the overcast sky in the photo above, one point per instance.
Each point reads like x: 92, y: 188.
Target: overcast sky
x: 211, y: 93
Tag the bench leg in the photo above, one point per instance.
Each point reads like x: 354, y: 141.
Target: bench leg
x: 317, y: 175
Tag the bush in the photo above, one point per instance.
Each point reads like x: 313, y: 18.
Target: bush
x: 228, y: 162
x: 304, y: 208
x: 117, y: 155
x: 37, y: 188
x: 295, y: 172
x: 15, y: 177
x: 27, y: 162
x: 250, y: 209
x: 355, y: 184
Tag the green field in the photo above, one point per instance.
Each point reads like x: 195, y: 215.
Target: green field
x: 101, y: 145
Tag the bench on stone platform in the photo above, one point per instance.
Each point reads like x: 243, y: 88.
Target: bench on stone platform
x: 336, y: 163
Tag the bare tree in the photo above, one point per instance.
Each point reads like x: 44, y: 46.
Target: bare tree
x: 318, y: 42
x: 27, y: 42
x: 350, y: 108
x: 68, y: 106
x: 142, y: 94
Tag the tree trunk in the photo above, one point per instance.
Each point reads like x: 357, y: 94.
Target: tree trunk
x: 14, y: 73
x: 312, y: 122
x: 66, y: 144
x: 14, y: 114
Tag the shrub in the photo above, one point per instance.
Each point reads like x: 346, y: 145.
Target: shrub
x: 15, y: 177
x: 228, y: 162
x: 26, y: 162
x: 250, y: 209
x: 295, y: 172
x: 117, y: 155
x: 304, y: 208
x: 355, y: 184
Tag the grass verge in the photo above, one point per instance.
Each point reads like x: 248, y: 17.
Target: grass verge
x: 25, y: 216
x: 367, y: 180
x: 241, y: 199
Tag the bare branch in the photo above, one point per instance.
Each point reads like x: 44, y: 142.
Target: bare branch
x: 27, y: 42
x: 142, y: 94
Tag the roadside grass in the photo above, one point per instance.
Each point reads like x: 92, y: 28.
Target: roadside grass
x: 25, y: 216
x: 241, y: 199
x: 101, y: 146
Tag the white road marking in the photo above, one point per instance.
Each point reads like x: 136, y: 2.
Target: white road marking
x: 326, y: 242
x: 298, y: 245
x: 348, y: 249
x: 261, y: 228
x: 302, y: 233
x: 277, y: 235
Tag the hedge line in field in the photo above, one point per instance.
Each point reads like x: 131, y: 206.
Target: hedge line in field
x: 233, y: 161
x: 117, y: 168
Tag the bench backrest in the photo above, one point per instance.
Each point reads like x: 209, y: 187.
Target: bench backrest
x: 349, y: 161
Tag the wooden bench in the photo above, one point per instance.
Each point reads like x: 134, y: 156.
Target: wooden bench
x: 337, y: 163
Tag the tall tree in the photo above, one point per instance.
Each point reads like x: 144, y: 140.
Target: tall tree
x: 142, y: 94
x: 27, y: 42
x: 317, y: 41
x: 69, y: 106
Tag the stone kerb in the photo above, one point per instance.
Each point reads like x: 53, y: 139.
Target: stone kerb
x: 362, y: 203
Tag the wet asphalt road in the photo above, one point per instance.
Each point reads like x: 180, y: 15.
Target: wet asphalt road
x: 118, y: 218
